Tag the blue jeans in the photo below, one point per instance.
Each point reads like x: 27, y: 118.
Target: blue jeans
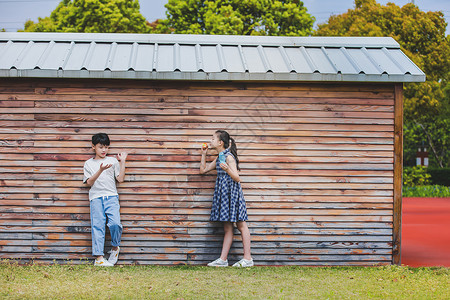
x: 101, y: 208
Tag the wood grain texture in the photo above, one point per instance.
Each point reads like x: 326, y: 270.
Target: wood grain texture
x: 398, y: 171
x: 320, y: 169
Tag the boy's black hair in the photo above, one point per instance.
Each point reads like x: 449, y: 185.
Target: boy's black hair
x: 100, y: 138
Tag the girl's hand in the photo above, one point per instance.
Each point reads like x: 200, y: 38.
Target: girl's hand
x: 104, y: 167
x: 224, y: 167
x: 122, y: 156
x: 204, y: 150
x: 230, y: 168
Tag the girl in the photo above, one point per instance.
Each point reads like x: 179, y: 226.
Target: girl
x: 228, y: 202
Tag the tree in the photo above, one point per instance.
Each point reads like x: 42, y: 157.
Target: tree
x: 421, y: 36
x: 241, y: 17
x: 93, y: 16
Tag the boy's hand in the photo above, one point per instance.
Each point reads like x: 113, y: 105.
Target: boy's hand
x: 122, y: 156
x: 104, y: 167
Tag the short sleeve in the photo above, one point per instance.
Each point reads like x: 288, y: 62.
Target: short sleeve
x: 116, y: 168
x: 229, y: 154
x: 87, y: 172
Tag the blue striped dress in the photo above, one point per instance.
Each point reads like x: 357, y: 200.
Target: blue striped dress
x: 228, y: 202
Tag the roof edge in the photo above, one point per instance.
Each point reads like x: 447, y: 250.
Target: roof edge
x: 204, y: 76
x: 192, y: 39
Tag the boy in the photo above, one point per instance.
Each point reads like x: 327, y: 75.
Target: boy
x: 101, y: 173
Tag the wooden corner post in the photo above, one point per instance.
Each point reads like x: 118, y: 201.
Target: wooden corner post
x: 398, y: 170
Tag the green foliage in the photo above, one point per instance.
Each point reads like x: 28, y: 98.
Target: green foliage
x: 417, y: 180
x: 239, y: 17
x: 421, y: 36
x: 435, y: 131
x: 415, y: 176
x: 440, y: 176
x: 120, y: 16
x: 426, y: 191
x: 428, y: 124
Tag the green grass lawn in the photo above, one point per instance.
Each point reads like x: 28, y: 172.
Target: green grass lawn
x: 154, y: 282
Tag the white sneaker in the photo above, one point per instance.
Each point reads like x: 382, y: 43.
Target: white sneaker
x: 218, y: 263
x: 243, y: 263
x: 102, y: 263
x: 114, y: 256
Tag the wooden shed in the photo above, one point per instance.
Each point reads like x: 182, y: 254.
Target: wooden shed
x: 318, y: 124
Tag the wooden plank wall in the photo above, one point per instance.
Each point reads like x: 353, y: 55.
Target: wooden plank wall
x: 317, y: 169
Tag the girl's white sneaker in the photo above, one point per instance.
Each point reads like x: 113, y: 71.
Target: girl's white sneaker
x: 218, y: 263
x: 243, y: 263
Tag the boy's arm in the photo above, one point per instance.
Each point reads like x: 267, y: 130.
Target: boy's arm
x: 91, y: 180
x: 122, y: 157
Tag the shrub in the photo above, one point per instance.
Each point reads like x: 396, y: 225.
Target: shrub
x: 415, y: 176
x: 426, y: 191
x: 440, y: 176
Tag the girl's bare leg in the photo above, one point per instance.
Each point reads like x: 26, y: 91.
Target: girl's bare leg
x: 227, y: 239
x: 246, y: 241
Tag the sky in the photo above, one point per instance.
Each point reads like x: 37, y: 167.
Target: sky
x: 14, y: 13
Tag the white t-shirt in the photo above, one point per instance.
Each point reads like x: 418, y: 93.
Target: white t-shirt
x: 105, y: 185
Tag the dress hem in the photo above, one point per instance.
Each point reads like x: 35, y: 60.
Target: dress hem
x: 243, y: 220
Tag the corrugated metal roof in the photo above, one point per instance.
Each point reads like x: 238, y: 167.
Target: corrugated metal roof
x: 205, y: 57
